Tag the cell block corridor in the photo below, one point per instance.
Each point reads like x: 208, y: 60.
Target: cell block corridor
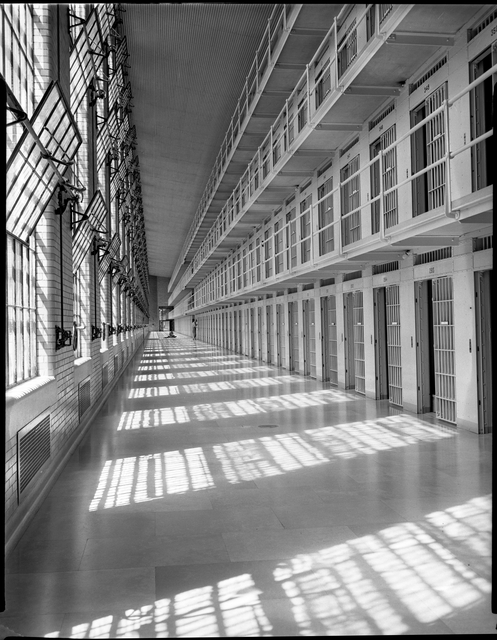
x: 218, y: 496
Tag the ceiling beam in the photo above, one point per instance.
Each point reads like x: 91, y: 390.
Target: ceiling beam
x: 339, y: 126
x: 309, y: 31
x: 293, y: 174
x: 422, y: 39
x: 312, y: 152
x: 360, y: 90
x: 427, y: 241
x: 290, y: 66
x: 276, y: 93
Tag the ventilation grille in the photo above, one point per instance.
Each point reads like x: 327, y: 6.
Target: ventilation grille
x: 290, y: 200
x: 433, y: 256
x: 326, y: 282
x: 349, y: 146
x: 304, y: 186
x: 381, y: 116
x: 480, y: 244
x: 385, y: 268
x: 105, y: 375
x: 33, y: 450
x: 292, y: 289
x: 428, y: 74
x: 325, y: 168
x: 352, y: 276
x: 308, y: 287
x: 84, y: 396
x: 116, y: 364
x: 472, y: 33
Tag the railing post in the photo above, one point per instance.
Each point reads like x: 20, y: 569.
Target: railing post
x: 335, y: 29
x: 308, y: 95
x: 448, y: 190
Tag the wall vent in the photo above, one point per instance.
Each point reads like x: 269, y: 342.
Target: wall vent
x: 326, y: 282
x: 292, y: 289
x: 385, y: 267
x: 381, y: 116
x: 290, y: 200
x: 353, y: 275
x: 308, y: 287
x: 349, y: 146
x: 433, y: 256
x: 33, y: 450
x: 84, y: 396
x: 428, y: 74
x: 116, y: 363
x: 480, y: 244
x: 304, y: 186
x: 325, y: 168
x: 105, y: 375
x: 472, y: 33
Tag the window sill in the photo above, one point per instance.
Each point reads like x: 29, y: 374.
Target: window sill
x: 27, y: 400
x: 82, y: 369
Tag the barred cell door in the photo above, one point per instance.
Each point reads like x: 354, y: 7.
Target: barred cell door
x: 380, y: 344
x: 332, y: 340
x: 483, y: 287
x: 425, y: 371
x: 294, y: 335
x: 280, y: 337
x: 348, y: 317
x: 310, y: 313
x: 269, y: 333
x: 259, y: 333
x: 443, y: 343
x: 360, y: 364
x: 435, y: 148
x: 392, y: 300
x: 252, y: 333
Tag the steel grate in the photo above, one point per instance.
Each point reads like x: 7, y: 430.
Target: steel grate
x: 105, y: 375
x: 33, y: 450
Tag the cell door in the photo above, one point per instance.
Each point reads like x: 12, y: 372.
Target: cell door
x: 425, y: 371
x: 269, y: 333
x: 309, y: 327
x: 380, y: 343
x: 392, y: 305
x: 443, y: 343
x: 348, y: 338
x: 279, y: 336
x: 294, y: 335
x: 483, y: 288
x: 330, y: 340
x: 259, y: 333
x: 359, y: 354
x: 252, y: 333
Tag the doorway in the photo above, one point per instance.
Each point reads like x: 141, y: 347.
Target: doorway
x: 483, y: 288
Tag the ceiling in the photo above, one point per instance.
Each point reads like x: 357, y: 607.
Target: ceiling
x: 188, y: 65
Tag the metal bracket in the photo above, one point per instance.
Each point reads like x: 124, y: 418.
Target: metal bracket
x: 62, y: 338
x: 112, y: 330
x: 64, y: 197
x: 22, y: 115
x: 84, y: 216
x: 47, y: 156
x: 96, y: 332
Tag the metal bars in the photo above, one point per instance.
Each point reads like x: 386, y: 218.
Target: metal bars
x: 444, y: 351
x: 51, y: 137
x: 359, y: 355
x: 392, y: 303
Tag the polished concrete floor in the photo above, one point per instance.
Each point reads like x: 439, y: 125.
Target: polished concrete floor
x: 215, y: 495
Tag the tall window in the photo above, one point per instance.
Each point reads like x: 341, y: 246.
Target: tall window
x: 268, y: 253
x: 481, y: 122
x: 325, y: 217
x: 17, y: 67
x: 278, y: 247
x: 21, y: 311
x: 291, y: 238
x: 350, y: 202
